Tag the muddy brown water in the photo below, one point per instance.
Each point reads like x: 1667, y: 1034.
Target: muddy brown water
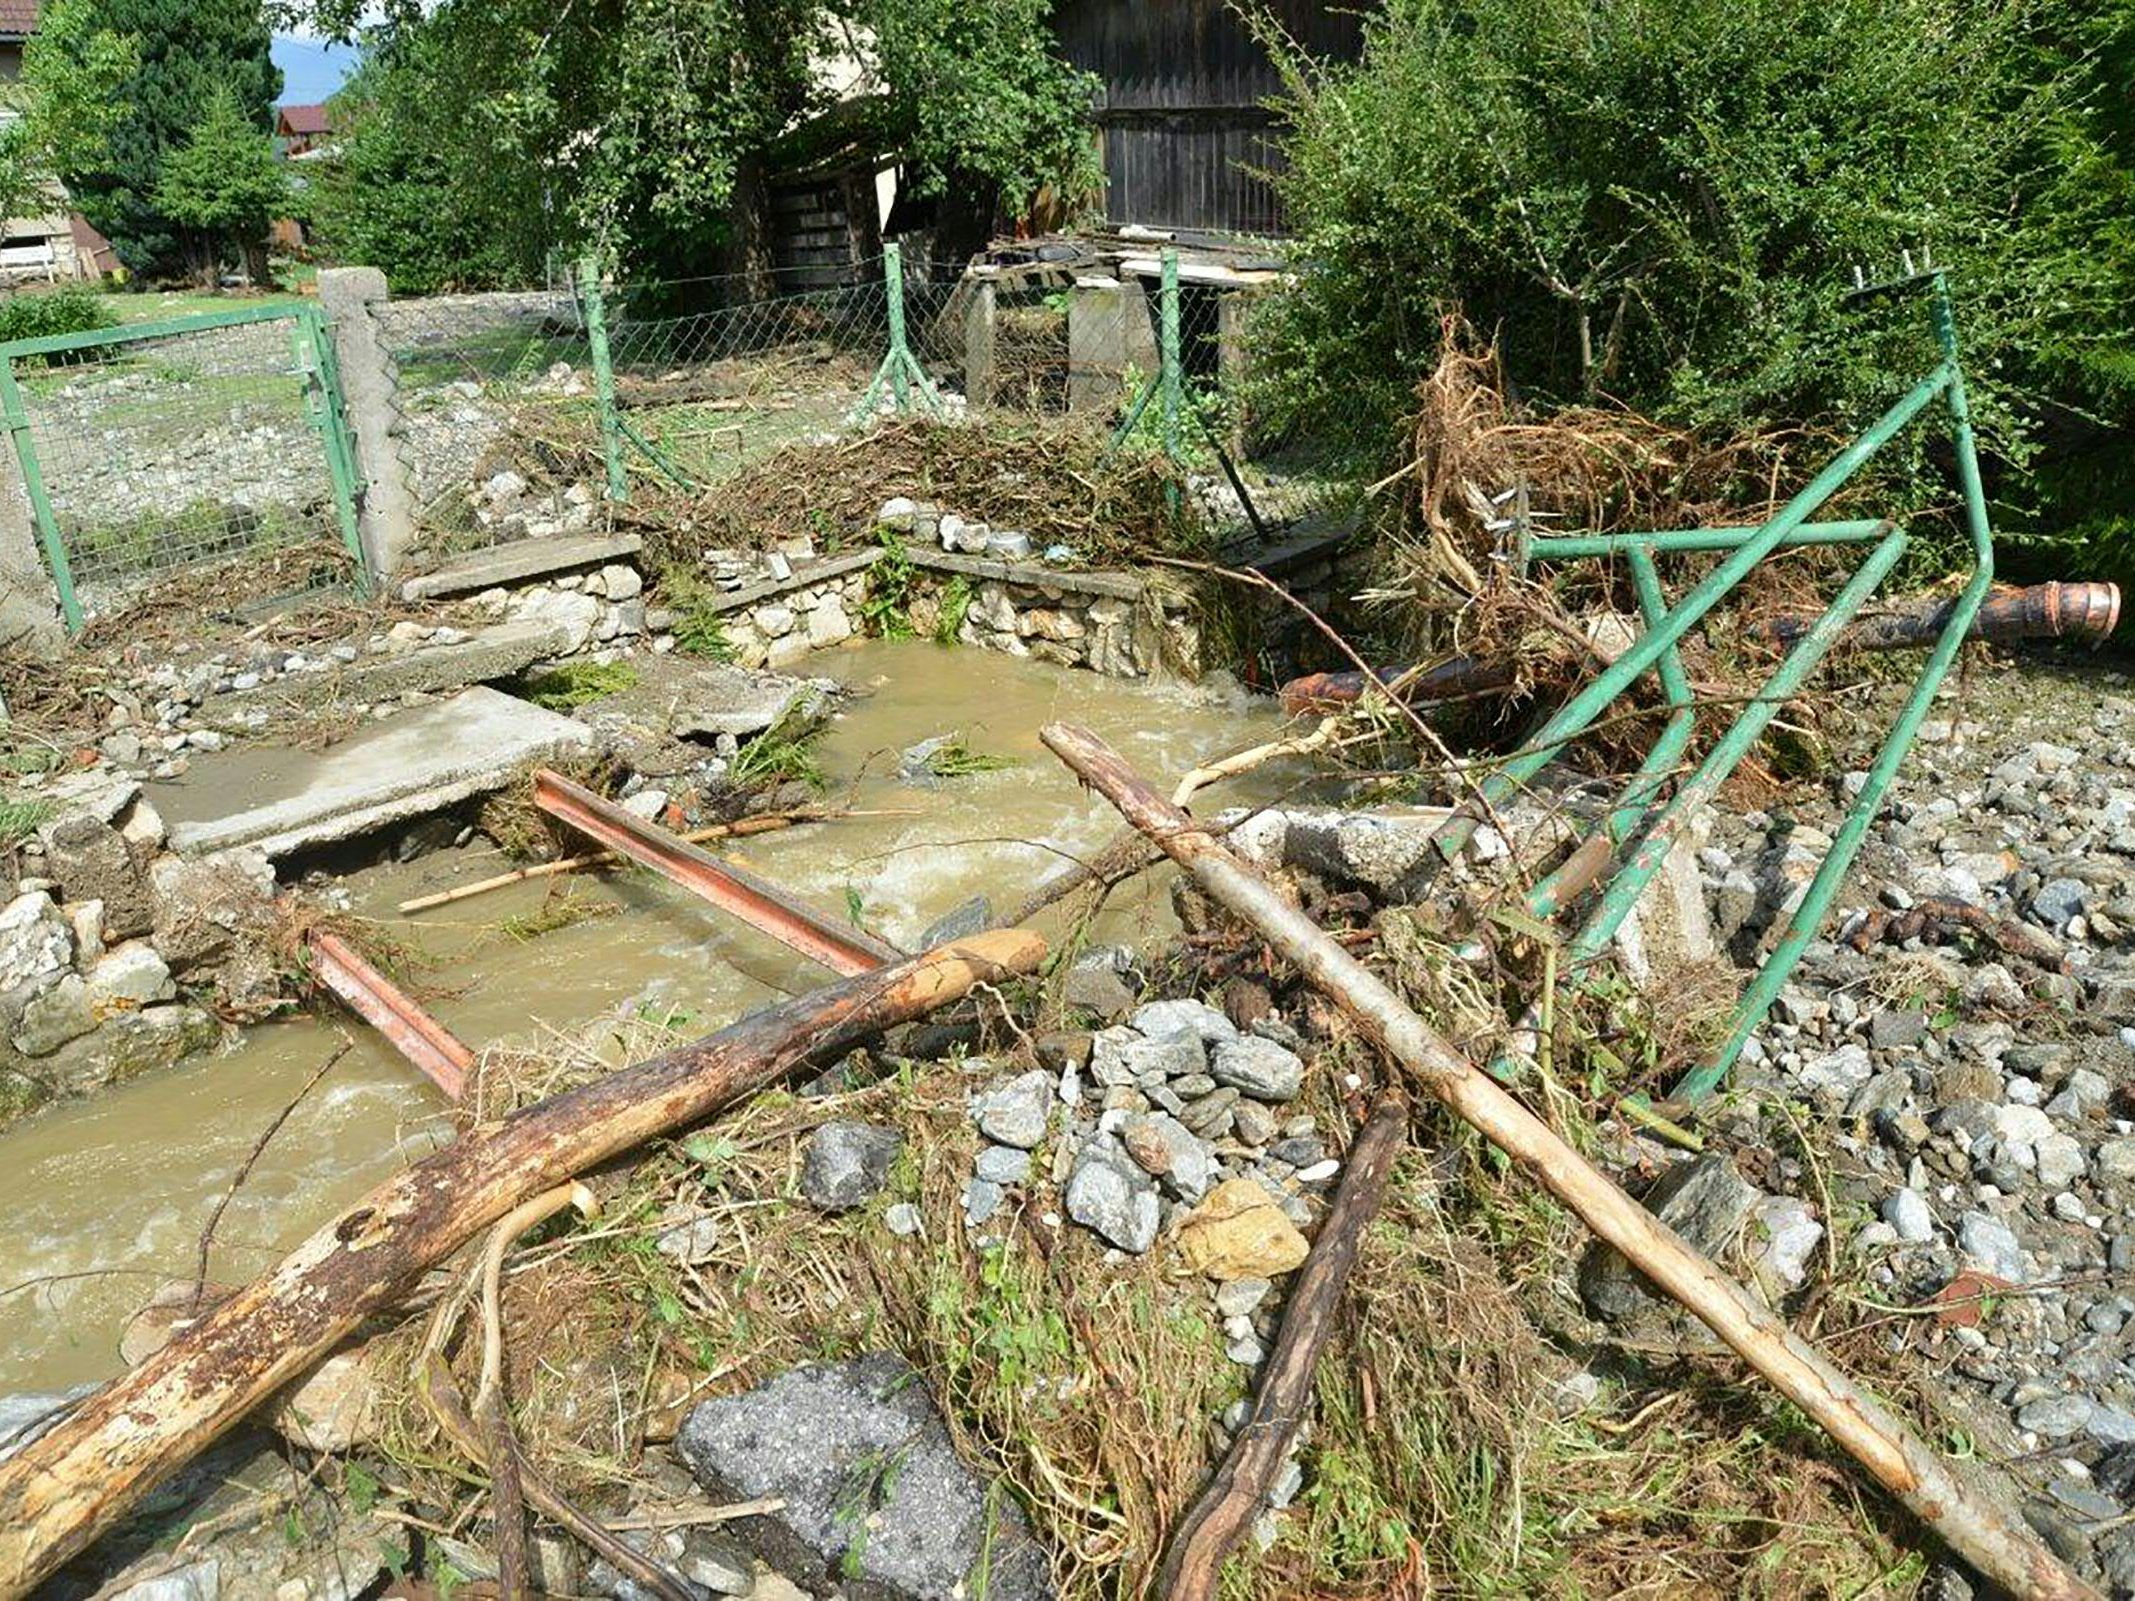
x: 107, y: 1197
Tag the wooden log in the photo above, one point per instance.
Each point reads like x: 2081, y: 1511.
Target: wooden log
x: 59, y: 1492
x: 1206, y: 1536
x: 1960, y: 1512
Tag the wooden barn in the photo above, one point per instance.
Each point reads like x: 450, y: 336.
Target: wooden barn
x: 1182, y: 115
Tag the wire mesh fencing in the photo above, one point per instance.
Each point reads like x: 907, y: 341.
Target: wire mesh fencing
x: 489, y: 388
x: 182, y: 446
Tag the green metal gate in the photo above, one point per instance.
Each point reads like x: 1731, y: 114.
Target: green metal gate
x: 164, y: 447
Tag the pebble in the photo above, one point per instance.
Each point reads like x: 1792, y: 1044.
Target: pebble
x: 1015, y: 1113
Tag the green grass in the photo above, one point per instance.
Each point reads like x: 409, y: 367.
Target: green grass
x: 19, y: 819
x: 574, y: 684
x: 153, y: 305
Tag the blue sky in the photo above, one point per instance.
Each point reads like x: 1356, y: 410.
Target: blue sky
x: 312, y: 69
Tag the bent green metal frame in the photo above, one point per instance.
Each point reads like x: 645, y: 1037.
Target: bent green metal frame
x: 1639, y: 827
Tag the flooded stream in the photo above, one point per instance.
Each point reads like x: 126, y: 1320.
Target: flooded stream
x: 107, y: 1197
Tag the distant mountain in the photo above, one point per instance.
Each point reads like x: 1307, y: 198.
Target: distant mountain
x: 312, y: 69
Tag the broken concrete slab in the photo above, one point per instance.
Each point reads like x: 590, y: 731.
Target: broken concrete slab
x: 700, y: 700
x: 493, y: 653
x: 502, y: 566
x: 418, y: 762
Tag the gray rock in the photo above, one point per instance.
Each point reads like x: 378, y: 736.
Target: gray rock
x: 1703, y: 1199
x: 1907, y: 1212
x: 1166, y: 1149
x: 2059, y: 899
x: 1096, y: 985
x: 1165, y: 1019
x: 1108, y: 1193
x: 1122, y: 1056
x: 2055, y: 1416
x: 1785, y: 1234
x: 902, y: 1219
x: 58, y: 1015
x: 1890, y: 1031
x: 972, y: 917
x: 847, y: 1162
x: 1241, y: 1297
x: 1003, y: 1164
x: 1989, y: 1243
x: 1015, y: 1113
x: 718, y: 1565
x: 2111, y: 1425
x: 2060, y: 1161
x: 1259, y: 1068
x: 24, y: 1418
x: 129, y: 976
x: 36, y: 947
x: 871, y: 1484
x: 2114, y: 1162
x: 1836, y: 1075
x: 982, y: 1198
x: 196, y: 1581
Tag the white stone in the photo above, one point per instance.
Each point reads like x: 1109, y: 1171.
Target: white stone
x: 646, y: 803
x: 1907, y: 1212
x: 130, y: 976
x: 827, y: 623
x: 622, y: 582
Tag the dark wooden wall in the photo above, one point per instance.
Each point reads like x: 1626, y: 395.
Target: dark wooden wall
x: 1181, y: 116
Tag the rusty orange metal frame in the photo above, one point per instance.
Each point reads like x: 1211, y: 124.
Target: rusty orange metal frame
x: 763, y: 905
x: 418, y: 1036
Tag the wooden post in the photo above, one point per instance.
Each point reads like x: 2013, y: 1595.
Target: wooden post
x: 63, y: 1489
x: 1206, y: 1536
x: 1968, y: 1520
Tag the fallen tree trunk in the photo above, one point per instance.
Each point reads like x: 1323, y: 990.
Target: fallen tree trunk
x: 1193, y: 1565
x: 1973, y: 1525
x: 62, y: 1490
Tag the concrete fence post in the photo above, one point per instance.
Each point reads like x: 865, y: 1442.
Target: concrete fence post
x: 980, y: 316
x: 29, y: 602
x: 369, y: 382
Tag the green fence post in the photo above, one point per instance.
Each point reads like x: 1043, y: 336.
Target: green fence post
x: 611, y: 430
x: 322, y: 400
x: 1168, y: 332
x: 900, y: 368
x: 55, y: 549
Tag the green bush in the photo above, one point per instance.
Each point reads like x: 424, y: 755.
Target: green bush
x: 1660, y: 202
x: 32, y: 314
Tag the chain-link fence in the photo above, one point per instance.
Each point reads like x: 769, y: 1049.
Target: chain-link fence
x: 521, y: 412
x: 149, y: 452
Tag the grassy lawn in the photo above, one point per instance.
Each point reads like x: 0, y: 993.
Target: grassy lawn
x: 151, y: 305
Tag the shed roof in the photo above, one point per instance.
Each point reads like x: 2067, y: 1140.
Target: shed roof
x: 18, y: 18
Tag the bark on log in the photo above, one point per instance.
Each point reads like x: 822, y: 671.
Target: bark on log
x: 1205, y: 1537
x: 1966, y: 1518
x: 58, y: 1493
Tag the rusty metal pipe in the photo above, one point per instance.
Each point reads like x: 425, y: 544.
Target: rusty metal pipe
x: 2043, y: 611
x: 2085, y: 610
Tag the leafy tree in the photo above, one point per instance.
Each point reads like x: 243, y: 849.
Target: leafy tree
x: 650, y: 127
x: 187, y: 49
x: 65, y: 104
x: 226, y: 184
x: 1660, y: 200
x: 401, y: 194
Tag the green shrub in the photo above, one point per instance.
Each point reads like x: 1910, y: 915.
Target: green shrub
x: 1660, y: 202
x: 33, y: 314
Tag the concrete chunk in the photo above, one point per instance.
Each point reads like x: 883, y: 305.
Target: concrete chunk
x: 504, y: 565
x: 419, y: 762
x: 498, y: 652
